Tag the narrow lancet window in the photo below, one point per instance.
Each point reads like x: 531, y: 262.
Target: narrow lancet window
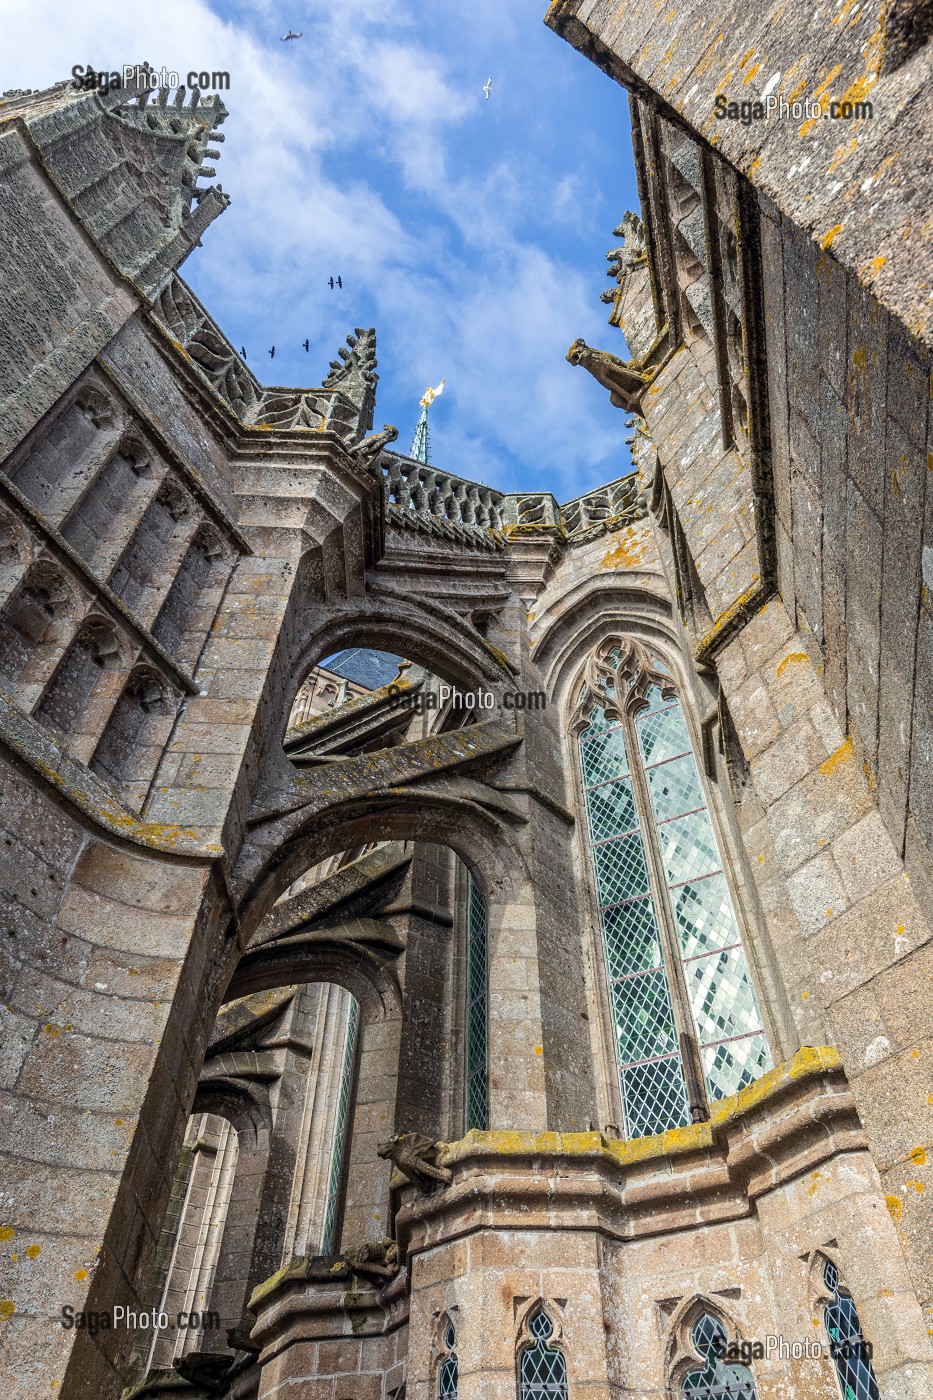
x: 477, y: 1106
x: 850, y: 1352
x: 543, y: 1369
x: 341, y: 1133
x: 447, y: 1374
x: 687, y: 1024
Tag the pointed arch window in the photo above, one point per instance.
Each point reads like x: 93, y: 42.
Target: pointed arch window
x: 447, y: 1374
x: 688, y: 1028
x: 543, y: 1369
x: 850, y: 1352
x: 717, y: 1379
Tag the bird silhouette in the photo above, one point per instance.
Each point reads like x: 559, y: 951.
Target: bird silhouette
x: 307, y: 346
x: 272, y: 353
x: 290, y: 35
x: 243, y: 351
x: 338, y: 283
x: 487, y: 87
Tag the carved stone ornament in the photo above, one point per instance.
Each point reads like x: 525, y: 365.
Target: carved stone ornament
x: 415, y: 1156
x: 625, y: 382
x: 618, y: 676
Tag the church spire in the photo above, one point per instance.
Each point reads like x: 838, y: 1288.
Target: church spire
x: 421, y: 442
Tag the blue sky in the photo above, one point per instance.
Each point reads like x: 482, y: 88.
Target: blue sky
x: 471, y: 233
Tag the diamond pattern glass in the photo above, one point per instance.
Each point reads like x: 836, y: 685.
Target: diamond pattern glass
x: 477, y: 1011
x: 662, y: 734
x: 654, y: 1097
x: 722, y: 997
x: 726, y: 1017
x: 704, y: 917
x: 851, y: 1353
x: 735, y: 1064
x: 719, y: 1382
x: 675, y: 788
x: 338, y: 1151
x: 612, y: 809
x: 688, y: 848
x: 447, y: 1380
x: 632, y: 940
x: 709, y: 1336
x: 604, y: 757
x: 543, y: 1368
x: 644, y: 1017
x: 621, y: 872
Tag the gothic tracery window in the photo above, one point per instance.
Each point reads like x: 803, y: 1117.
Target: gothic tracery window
x: 687, y: 1024
x: 851, y: 1353
x: 543, y: 1369
x: 717, y: 1379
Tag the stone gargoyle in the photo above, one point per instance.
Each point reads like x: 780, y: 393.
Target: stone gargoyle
x: 625, y: 383
x: 415, y: 1156
x: 375, y: 1261
x: 367, y: 451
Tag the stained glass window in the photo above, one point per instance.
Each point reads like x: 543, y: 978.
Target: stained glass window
x: 850, y: 1352
x: 716, y: 1380
x: 447, y: 1375
x: 543, y: 1368
x: 476, y: 1010
x: 674, y: 954
x: 338, y: 1152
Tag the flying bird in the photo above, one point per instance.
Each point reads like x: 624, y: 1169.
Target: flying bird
x: 487, y: 88
x: 307, y: 346
x: 290, y: 35
x: 272, y: 353
x: 243, y: 351
x: 338, y: 283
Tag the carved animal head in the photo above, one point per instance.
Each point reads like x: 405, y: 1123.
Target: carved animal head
x: 579, y: 352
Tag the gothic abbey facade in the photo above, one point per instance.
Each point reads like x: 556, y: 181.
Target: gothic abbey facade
x: 547, y: 1015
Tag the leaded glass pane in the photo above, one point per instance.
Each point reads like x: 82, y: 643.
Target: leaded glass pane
x: 654, y: 1097
x: 736, y: 1063
x: 632, y: 940
x: 709, y: 1336
x: 851, y: 1353
x: 662, y: 734
x: 675, y: 788
x: 727, y: 1020
x: 543, y: 1369
x: 612, y: 809
x: 621, y: 872
x: 338, y: 1151
x: 447, y: 1389
x: 721, y: 995
x: 688, y: 848
x: 644, y: 1018
x: 599, y: 720
x: 704, y: 917
x: 477, y: 1010
x: 717, y: 1381
x: 604, y: 757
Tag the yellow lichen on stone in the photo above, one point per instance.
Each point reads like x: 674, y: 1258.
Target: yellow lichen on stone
x: 793, y: 658
x: 842, y: 755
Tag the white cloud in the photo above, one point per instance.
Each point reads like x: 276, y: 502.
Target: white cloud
x: 344, y: 153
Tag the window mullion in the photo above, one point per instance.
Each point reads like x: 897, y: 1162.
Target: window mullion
x: 683, y: 1015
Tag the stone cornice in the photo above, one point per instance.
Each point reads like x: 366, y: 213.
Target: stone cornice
x: 790, y: 1121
